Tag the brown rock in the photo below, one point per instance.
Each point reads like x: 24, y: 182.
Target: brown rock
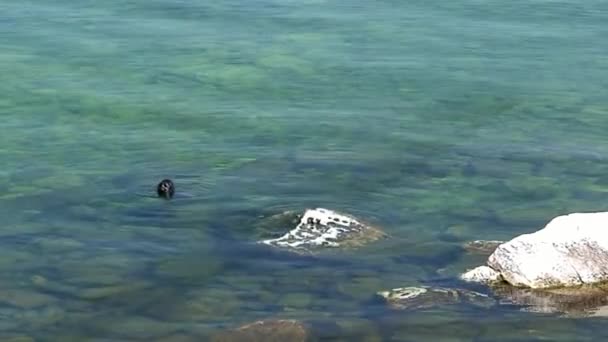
x: 266, y: 331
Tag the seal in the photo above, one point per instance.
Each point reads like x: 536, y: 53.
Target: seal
x: 165, y: 189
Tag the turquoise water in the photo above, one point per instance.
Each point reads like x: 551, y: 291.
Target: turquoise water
x: 440, y: 122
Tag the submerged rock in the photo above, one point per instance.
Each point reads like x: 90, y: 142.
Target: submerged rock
x: 275, y: 225
x: 266, y: 331
x: 415, y: 298
x: 321, y: 228
x: 18, y: 339
x: 571, y: 250
x: 579, y: 301
x: 482, y: 247
x: 26, y: 298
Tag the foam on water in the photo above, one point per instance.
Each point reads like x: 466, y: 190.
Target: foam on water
x: 319, y: 227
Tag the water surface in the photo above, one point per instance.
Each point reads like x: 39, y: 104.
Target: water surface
x: 440, y: 122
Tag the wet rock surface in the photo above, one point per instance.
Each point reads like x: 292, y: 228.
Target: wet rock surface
x: 266, y: 331
x: 320, y: 228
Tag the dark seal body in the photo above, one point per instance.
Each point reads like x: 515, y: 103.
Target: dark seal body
x: 165, y: 189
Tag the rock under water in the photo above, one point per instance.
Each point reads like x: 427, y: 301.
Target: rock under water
x: 581, y: 301
x: 323, y: 228
x: 424, y: 297
x: 482, y: 247
x: 266, y: 331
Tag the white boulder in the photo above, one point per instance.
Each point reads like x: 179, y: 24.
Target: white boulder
x: 571, y: 250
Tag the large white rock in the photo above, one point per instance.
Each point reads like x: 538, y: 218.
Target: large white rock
x: 571, y: 250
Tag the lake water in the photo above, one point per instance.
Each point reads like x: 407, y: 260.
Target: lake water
x: 441, y: 122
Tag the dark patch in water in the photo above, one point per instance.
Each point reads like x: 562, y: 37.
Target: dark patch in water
x: 150, y: 214
x: 19, y: 239
x: 420, y: 167
x: 375, y: 307
x: 449, y: 237
x: 537, y: 167
x: 259, y: 258
x: 437, y: 259
x: 325, y: 330
x: 469, y: 170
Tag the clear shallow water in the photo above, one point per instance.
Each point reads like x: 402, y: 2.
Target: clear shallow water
x: 442, y: 123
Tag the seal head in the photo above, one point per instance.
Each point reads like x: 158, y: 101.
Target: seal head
x: 165, y: 189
